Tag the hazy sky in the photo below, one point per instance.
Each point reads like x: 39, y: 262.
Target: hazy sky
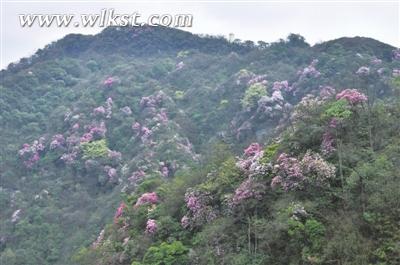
x: 252, y: 20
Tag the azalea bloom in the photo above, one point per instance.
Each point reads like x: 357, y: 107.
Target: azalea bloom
x: 353, y: 96
x: 109, y: 81
x: 151, y: 226
x: 147, y: 198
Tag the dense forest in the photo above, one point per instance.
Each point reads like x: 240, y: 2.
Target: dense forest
x: 152, y: 145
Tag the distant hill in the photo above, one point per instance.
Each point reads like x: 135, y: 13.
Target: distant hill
x: 89, y: 122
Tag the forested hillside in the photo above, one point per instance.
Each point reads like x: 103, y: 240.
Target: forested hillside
x: 152, y: 145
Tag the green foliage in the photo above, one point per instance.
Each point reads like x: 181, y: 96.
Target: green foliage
x: 339, y: 109
x: 270, y: 152
x: 95, y: 149
x: 252, y: 95
x: 167, y: 254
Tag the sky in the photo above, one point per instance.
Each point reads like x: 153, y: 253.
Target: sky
x: 253, y: 20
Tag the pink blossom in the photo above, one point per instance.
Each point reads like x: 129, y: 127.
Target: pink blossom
x: 87, y: 137
x: 185, y: 222
x: 136, y: 176
x: 179, y: 66
x: 30, y: 153
x: 119, y: 212
x: 147, y: 198
x: 114, y: 155
x: 277, y: 180
x: 109, y: 81
x: 327, y: 145
x: 146, y: 133
x: 136, y: 127
x: 282, y: 85
x: 162, y: 116
x: 75, y: 127
x: 353, y: 96
x: 151, y: 226
x: 99, y: 110
x: 396, y: 73
x: 111, y: 172
x: 310, y: 71
x: 57, y: 141
x: 252, y: 149
x: 165, y: 171
x: 316, y: 168
x: 289, y: 170
x: 248, y: 189
x: 258, y: 79
x: 69, y: 158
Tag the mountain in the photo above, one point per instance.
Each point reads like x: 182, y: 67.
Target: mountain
x: 126, y: 147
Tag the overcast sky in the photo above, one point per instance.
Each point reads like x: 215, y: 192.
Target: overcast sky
x: 315, y: 20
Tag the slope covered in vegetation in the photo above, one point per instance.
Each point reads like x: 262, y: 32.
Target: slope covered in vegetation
x: 156, y: 146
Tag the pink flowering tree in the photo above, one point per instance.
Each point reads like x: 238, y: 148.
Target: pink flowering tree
x: 199, y: 209
x: 248, y: 189
x: 30, y: 153
x: 293, y: 174
x: 151, y: 227
x: 119, y: 212
x: 353, y: 96
x: 147, y: 199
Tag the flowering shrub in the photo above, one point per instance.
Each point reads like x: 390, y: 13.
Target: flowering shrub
x: 179, y: 66
x: 147, y: 198
x: 69, y: 158
x: 353, y: 96
x: 258, y: 79
x: 151, y: 226
x: 162, y: 116
x: 316, y: 168
x: 252, y: 149
x: 310, y: 71
x: 95, y: 132
x: 114, y: 155
x: 248, y: 189
x: 327, y: 145
x: 109, y: 81
x: 293, y: 174
x: 111, y: 173
x: 363, y: 71
x: 281, y: 85
x: 199, y: 210
x: 30, y: 153
x: 119, y: 212
x: 136, y: 176
x: 57, y: 141
x: 153, y: 100
x: 288, y: 173
x: 99, y: 111
x: 251, y: 164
